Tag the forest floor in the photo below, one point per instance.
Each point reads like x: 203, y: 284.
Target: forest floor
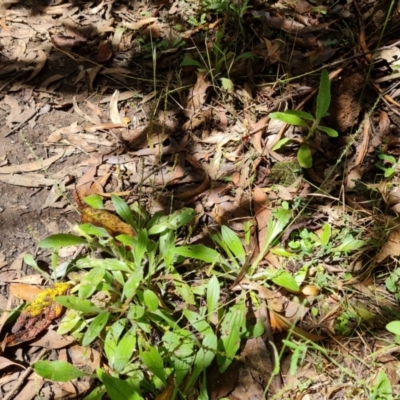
x: 183, y: 104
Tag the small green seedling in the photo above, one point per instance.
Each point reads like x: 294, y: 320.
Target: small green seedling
x: 388, y: 164
x: 309, y: 121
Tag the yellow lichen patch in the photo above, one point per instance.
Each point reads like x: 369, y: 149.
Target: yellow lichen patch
x: 38, y: 316
x: 45, y: 299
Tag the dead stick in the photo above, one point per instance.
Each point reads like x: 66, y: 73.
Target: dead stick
x: 24, y: 375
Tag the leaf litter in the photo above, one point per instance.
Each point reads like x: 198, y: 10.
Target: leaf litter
x: 97, y: 64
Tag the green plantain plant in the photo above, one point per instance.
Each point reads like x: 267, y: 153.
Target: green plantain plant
x: 309, y: 121
x: 131, y: 296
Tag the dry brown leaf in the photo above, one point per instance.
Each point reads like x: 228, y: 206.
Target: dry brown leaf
x: 40, y: 62
x: 114, y: 113
x: 263, y: 214
x: 67, y: 42
x: 5, y: 362
x: 197, y: 95
x: 91, y: 74
x: 98, y: 112
x: 167, y: 392
x: 49, y: 81
x: 139, y: 24
x: 121, y: 97
x: 391, y: 246
x: 152, y: 30
x: 24, y: 291
x: 362, y: 148
x: 27, y: 180
x: 52, y: 341
x: 384, y: 124
x: 15, y: 110
x: 81, y: 113
x: 221, y: 384
x: 148, y: 97
x: 38, y: 315
x: 27, y: 114
x: 104, y: 52
x: 105, y: 126
x: 260, y: 126
x: 298, y: 332
x: 33, y: 166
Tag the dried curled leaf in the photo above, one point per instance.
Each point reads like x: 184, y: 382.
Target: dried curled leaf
x: 107, y: 220
x: 102, y: 218
x: 38, y: 316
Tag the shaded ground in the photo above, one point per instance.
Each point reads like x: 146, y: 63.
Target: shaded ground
x: 170, y: 102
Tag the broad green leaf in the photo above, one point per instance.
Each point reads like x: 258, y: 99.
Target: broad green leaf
x: 282, y: 143
x: 96, y: 394
x: 94, y: 230
x: 118, y: 389
x: 133, y: 283
x: 227, y: 84
x: 123, y: 209
x: 95, y: 201
x: 140, y: 247
x: 135, y: 312
x: 387, y: 158
x: 74, y: 303
x: 127, y: 240
x: 207, y: 352
x: 173, y: 221
x: 59, y: 271
x: 90, y: 282
x: 112, y: 338
x: 61, y: 240
x: 197, y: 321
x: 389, y: 172
x: 179, y: 343
x: 95, y: 328
x: 213, y: 293
x: 58, y: 371
x: 288, y: 119
x: 125, y: 349
x: 304, y: 156
x: 185, y: 291
x: 275, y: 227
x: 284, y: 279
x: 29, y: 260
x: 326, y: 234
x: 109, y: 264
x: 349, y: 244
x: 153, y: 361
x: 232, y: 240
x: 254, y: 331
x: 217, y: 238
x: 161, y: 316
x: 198, y: 252
x: 329, y: 131
x: 188, y: 61
x: 150, y: 299
x: 246, y: 55
x: 301, y: 114
x: 394, y: 327
x: 324, y: 96
x: 232, y: 328
x: 381, y: 388
x: 69, y: 322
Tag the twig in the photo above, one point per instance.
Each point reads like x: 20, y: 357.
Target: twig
x: 24, y: 375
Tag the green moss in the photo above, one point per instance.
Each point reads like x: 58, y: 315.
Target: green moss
x: 285, y: 172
